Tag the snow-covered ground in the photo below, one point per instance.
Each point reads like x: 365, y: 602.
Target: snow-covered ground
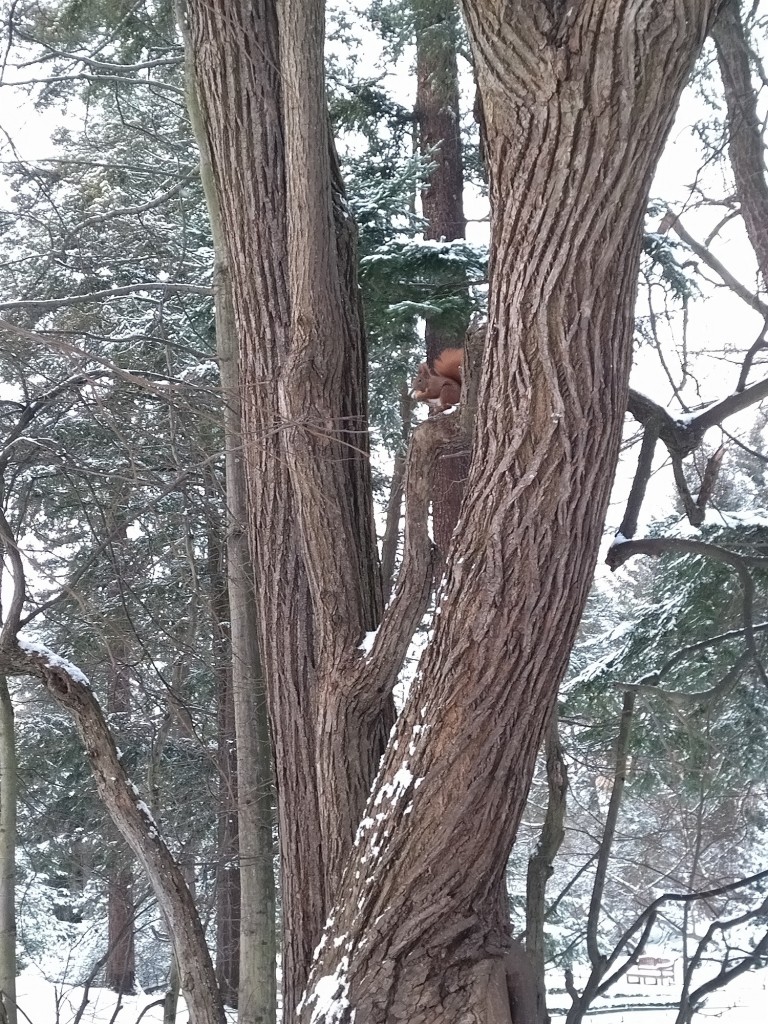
x: 43, y: 1002
x: 744, y: 1002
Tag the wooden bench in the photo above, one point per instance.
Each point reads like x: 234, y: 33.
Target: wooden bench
x: 652, y: 970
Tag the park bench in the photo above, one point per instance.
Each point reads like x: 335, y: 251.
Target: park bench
x: 651, y: 970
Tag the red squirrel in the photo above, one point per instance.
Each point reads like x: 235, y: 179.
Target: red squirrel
x: 440, y: 385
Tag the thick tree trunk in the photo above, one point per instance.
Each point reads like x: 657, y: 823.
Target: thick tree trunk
x: 439, y: 120
x: 237, y: 69
x: 8, y: 789
x: 578, y: 100
x: 257, y: 986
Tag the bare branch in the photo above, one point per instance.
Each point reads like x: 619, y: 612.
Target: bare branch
x: 101, y: 79
x: 72, y: 692
x: 133, y: 211
x: 131, y: 290
x: 672, y: 221
x: 639, y: 483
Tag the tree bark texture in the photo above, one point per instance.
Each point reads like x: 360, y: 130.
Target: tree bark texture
x: 746, y: 148
x: 439, y: 121
x: 578, y: 100
x: 237, y: 70
x: 290, y: 249
x: 257, y: 988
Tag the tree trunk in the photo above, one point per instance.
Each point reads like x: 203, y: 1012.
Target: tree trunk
x: 541, y: 864
x: 227, y: 844
x: 8, y: 788
x: 439, y: 120
x: 257, y: 990
x: 120, y: 966
x: 746, y: 147
x: 578, y: 100
x: 290, y: 246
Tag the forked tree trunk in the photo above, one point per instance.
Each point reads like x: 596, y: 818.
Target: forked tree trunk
x: 578, y: 99
x: 290, y: 244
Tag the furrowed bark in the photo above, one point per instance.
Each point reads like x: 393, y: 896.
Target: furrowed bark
x: 746, y: 148
x: 304, y: 431
x: 577, y: 105
x: 237, y: 70
x: 257, y: 988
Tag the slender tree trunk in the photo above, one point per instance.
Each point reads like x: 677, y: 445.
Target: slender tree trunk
x: 227, y: 845
x: 746, y: 147
x: 439, y: 120
x: 8, y: 787
x: 257, y: 995
x: 420, y: 935
x: 391, y: 538
x: 541, y: 864
x: 171, y: 998
x: 120, y: 966
x: 581, y: 1005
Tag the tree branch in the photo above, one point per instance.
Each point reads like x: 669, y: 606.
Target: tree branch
x: 746, y: 148
x: 619, y: 553
x: 167, y: 287
x: 640, y: 482
x: 132, y: 211
x: 671, y: 220
x: 72, y: 692
x: 378, y: 674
